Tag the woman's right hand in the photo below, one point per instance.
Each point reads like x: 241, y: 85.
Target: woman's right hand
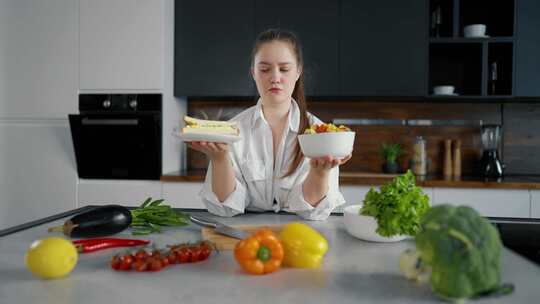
x: 213, y: 150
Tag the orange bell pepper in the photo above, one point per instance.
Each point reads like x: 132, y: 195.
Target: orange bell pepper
x: 260, y: 253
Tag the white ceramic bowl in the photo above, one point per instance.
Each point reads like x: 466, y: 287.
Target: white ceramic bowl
x: 364, y: 227
x: 443, y: 90
x: 336, y: 144
x: 474, y: 30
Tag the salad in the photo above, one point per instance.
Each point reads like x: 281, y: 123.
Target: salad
x: 326, y: 128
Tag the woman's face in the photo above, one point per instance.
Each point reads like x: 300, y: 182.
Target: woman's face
x: 275, y: 71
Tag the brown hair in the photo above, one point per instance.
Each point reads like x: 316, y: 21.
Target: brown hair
x: 298, y: 92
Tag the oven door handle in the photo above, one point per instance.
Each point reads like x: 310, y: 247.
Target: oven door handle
x: 109, y: 122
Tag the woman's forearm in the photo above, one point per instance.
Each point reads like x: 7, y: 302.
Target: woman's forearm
x: 315, y: 186
x: 223, y: 181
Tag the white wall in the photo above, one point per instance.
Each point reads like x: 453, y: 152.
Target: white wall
x: 37, y: 170
x: 38, y: 88
x: 121, y: 44
x: 38, y: 58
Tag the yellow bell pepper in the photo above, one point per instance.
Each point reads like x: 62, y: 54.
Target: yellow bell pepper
x: 304, y: 247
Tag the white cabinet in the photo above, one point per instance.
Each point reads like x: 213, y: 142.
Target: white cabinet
x: 122, y: 192
x: 37, y: 171
x: 488, y: 202
x: 535, y: 203
x: 121, y: 44
x: 38, y: 58
x: 354, y: 195
x: 183, y: 194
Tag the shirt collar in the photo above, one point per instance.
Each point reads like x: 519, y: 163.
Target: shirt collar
x: 294, y: 115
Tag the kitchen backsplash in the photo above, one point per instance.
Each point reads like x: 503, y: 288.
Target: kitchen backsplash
x: 376, y: 122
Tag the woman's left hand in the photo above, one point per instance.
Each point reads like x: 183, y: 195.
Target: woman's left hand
x: 326, y: 163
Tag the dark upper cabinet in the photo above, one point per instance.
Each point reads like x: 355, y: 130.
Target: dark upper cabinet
x: 527, y: 78
x: 213, y: 41
x: 383, y: 50
x: 316, y: 23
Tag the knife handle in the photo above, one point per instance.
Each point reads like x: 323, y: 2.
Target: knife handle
x: 203, y: 222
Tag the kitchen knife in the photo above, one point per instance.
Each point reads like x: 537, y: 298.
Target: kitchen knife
x: 219, y: 227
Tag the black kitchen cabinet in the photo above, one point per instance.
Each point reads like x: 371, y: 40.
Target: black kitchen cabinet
x: 316, y: 23
x: 383, y: 47
x: 213, y: 41
x: 527, y: 81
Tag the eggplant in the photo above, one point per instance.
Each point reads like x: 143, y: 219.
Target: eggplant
x: 102, y: 221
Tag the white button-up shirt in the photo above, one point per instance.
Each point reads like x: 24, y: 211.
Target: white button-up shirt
x: 259, y: 186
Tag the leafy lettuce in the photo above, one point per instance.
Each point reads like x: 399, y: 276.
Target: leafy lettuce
x: 397, y: 207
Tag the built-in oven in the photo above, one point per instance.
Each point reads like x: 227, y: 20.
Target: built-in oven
x: 118, y: 136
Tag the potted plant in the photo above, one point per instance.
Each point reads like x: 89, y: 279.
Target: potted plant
x: 390, y: 153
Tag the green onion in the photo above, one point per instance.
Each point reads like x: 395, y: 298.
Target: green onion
x: 151, y: 216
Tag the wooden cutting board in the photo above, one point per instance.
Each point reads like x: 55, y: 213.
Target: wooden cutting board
x: 224, y: 242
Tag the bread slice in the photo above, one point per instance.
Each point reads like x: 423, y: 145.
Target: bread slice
x: 194, y: 125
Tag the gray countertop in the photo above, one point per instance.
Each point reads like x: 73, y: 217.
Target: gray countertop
x: 354, y: 271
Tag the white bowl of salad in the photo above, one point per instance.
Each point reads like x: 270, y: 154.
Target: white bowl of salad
x: 327, y: 140
x: 391, y: 213
x: 365, y: 227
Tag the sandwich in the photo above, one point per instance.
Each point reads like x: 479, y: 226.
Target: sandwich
x: 201, y: 126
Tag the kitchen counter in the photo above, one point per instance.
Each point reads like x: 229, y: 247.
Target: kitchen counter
x: 373, y: 179
x: 353, y: 272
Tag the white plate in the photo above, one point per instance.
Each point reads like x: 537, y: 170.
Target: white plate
x: 224, y: 138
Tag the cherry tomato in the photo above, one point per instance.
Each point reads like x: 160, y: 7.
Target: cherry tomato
x: 155, y: 264
x: 126, y: 262
x: 320, y: 128
x: 195, y: 254
x: 115, y: 262
x: 172, y: 257
x: 140, y: 265
x: 156, y: 254
x: 184, y: 255
x: 205, y: 253
x: 141, y: 254
x: 164, y: 261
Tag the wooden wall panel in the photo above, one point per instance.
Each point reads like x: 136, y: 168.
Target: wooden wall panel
x: 489, y: 113
x: 521, y: 138
x: 366, y: 157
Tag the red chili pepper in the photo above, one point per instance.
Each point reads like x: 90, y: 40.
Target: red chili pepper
x: 91, y: 245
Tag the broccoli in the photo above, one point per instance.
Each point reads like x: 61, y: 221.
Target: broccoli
x: 460, y: 250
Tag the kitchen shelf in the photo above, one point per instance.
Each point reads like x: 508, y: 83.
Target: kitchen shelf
x: 481, y: 67
x: 471, y: 97
x: 459, y: 65
x: 498, y: 16
x: 470, y: 40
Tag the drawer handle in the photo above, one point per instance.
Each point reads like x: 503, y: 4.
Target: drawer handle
x: 110, y: 122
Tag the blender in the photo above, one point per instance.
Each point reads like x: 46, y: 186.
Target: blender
x: 491, y: 166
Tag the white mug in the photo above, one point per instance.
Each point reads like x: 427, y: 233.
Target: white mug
x: 443, y: 90
x: 474, y: 30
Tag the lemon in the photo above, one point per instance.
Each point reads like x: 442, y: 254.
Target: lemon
x: 51, y: 257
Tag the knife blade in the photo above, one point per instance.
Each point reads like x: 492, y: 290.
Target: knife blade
x: 219, y: 227
x: 232, y: 232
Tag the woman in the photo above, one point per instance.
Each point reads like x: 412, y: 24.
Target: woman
x: 266, y: 169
